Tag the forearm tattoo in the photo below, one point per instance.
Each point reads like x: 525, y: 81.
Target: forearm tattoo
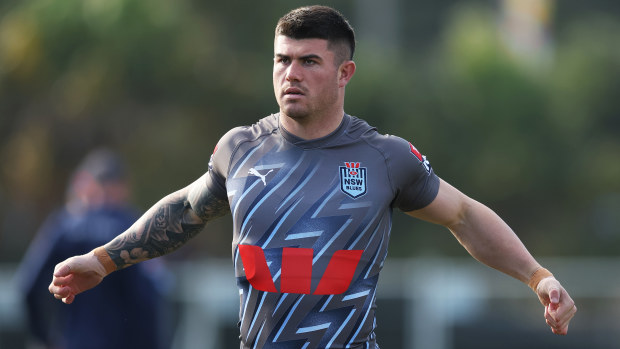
x: 166, y: 227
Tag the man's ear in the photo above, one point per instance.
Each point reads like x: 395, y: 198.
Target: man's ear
x: 345, y: 72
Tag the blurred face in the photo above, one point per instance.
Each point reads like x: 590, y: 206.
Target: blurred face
x: 306, y: 79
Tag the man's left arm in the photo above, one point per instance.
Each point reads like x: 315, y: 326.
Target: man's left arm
x: 491, y: 241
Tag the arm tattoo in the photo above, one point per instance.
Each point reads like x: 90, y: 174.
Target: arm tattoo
x: 168, y: 225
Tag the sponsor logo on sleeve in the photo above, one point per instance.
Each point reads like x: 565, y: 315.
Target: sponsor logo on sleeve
x: 210, y: 166
x: 422, y: 158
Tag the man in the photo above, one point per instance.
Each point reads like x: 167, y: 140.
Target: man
x: 311, y: 192
x: 130, y: 306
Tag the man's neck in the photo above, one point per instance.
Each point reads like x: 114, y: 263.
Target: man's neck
x: 310, y: 129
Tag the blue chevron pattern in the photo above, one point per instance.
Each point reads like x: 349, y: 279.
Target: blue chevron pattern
x: 285, y: 194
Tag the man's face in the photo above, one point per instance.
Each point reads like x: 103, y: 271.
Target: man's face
x: 305, y: 77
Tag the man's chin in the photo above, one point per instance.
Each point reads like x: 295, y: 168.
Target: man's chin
x: 295, y: 113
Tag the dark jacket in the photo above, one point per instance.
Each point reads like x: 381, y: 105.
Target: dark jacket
x: 127, y: 310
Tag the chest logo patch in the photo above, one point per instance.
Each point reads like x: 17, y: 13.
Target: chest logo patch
x: 254, y: 172
x: 353, y: 179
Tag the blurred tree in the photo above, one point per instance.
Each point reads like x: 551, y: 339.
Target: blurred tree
x: 584, y: 114
x: 540, y: 146
x: 77, y: 74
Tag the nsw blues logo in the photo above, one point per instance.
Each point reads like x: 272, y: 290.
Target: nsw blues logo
x: 353, y: 179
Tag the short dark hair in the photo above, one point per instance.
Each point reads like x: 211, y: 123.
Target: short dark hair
x: 320, y: 22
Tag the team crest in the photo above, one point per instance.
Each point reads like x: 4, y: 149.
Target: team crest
x: 353, y: 179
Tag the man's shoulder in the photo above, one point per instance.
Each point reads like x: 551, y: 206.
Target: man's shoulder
x: 265, y: 126
x: 361, y: 129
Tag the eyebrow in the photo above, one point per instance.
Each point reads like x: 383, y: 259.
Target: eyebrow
x: 304, y: 57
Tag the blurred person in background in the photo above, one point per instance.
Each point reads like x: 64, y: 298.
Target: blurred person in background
x: 311, y: 191
x: 129, y: 311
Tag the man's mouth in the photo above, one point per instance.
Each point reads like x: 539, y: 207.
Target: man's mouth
x: 294, y: 91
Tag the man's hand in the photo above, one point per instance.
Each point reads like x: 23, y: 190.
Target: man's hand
x: 559, y: 307
x: 76, y: 275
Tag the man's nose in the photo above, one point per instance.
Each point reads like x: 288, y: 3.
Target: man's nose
x: 293, y: 72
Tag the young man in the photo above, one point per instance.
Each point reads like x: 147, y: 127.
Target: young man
x: 311, y: 192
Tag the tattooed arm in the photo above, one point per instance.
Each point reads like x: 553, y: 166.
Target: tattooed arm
x: 168, y: 225
x: 162, y: 229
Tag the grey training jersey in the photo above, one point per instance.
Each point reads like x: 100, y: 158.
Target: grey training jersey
x: 311, y: 227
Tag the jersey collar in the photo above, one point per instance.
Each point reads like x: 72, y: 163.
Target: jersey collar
x: 318, y: 142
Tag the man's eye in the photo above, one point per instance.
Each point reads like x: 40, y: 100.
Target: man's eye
x: 309, y: 62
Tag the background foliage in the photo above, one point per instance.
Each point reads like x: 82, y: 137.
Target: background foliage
x: 536, y: 137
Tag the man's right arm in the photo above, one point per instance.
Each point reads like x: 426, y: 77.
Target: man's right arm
x: 165, y: 227
x: 168, y: 225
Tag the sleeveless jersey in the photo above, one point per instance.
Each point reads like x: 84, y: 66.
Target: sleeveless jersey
x: 311, y: 221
